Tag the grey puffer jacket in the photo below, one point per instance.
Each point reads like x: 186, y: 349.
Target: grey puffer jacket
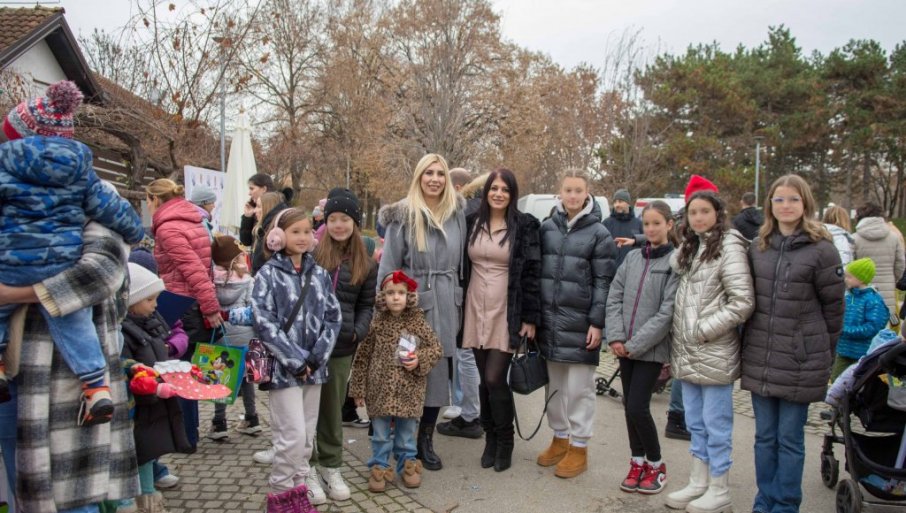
x: 577, y: 265
x: 790, y: 339
x: 875, y: 240
x: 713, y: 298
x: 313, y: 333
x: 640, y: 303
x: 438, y: 271
x: 234, y: 292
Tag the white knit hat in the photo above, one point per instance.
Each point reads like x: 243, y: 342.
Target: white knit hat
x: 142, y: 283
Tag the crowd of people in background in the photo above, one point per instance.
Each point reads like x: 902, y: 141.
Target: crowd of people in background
x: 427, y: 314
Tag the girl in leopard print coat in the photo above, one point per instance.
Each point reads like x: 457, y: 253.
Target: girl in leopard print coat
x: 392, y: 385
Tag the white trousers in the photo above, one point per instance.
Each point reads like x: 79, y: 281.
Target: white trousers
x: 572, y: 409
x: 294, y: 419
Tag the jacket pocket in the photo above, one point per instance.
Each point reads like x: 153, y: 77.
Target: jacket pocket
x: 426, y: 300
x: 799, y: 347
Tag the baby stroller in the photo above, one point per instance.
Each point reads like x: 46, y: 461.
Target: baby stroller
x: 874, y: 459
x: 605, y: 385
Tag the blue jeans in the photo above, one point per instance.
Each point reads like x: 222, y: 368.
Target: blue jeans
x: 676, y: 397
x: 401, y: 442
x: 73, y: 335
x: 8, y: 417
x: 779, y: 453
x: 91, y: 508
x: 465, y: 384
x: 709, y: 419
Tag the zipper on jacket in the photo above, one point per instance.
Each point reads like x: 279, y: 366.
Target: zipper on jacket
x: 638, y: 296
x: 764, y: 373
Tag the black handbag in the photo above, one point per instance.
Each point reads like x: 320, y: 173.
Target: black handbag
x: 528, y: 372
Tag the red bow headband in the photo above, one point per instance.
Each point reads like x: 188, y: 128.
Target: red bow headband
x: 397, y: 277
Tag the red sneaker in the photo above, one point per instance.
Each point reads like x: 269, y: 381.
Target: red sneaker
x: 653, y: 480
x: 634, y: 477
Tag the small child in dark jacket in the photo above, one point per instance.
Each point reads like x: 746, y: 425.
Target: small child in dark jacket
x: 392, y: 380
x: 157, y: 422
x: 866, y: 314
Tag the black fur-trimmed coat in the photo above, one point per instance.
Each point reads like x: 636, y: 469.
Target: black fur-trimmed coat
x: 523, y: 298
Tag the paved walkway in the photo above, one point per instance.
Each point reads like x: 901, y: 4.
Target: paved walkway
x: 222, y: 477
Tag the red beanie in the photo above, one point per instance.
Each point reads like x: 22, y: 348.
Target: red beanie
x: 699, y: 183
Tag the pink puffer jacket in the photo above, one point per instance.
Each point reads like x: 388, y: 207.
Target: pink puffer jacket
x: 182, y: 249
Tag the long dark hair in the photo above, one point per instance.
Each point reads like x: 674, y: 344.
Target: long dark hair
x: 691, y: 240
x: 663, y: 209
x: 263, y: 180
x: 484, y: 211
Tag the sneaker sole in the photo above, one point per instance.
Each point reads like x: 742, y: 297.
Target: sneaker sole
x: 262, y: 462
x: 100, y: 414
x: 461, y: 434
x: 628, y: 489
x: 645, y: 491
x: 217, y: 437
x: 251, y: 431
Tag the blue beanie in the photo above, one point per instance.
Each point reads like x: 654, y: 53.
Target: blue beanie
x: 144, y: 258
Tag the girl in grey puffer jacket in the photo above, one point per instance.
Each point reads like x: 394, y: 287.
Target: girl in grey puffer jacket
x: 715, y: 296
x: 639, y: 314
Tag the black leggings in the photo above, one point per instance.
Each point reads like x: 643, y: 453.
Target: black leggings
x: 494, y: 392
x: 638, y: 379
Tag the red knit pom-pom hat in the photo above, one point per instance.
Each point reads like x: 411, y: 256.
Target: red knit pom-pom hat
x: 48, y: 115
x: 699, y: 183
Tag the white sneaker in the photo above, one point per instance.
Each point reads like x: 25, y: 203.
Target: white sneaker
x: 332, y: 479
x: 168, y: 481
x: 265, y: 457
x: 316, y: 493
x: 452, y: 412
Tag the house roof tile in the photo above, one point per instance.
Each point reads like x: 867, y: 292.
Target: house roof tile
x: 16, y: 23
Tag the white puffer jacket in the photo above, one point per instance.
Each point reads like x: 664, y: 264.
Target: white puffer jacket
x: 712, y: 300
x: 875, y: 240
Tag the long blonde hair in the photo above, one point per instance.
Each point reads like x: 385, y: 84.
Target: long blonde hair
x: 165, y: 189
x: 838, y: 216
x: 420, y: 216
x: 809, y: 225
x: 268, y: 200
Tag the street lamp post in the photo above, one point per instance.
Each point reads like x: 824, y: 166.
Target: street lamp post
x: 758, y: 139
x: 223, y: 42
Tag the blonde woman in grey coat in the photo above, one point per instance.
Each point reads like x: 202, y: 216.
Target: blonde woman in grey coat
x: 425, y: 238
x: 715, y: 296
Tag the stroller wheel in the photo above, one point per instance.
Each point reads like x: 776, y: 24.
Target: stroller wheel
x: 830, y: 470
x: 849, y: 498
x: 601, y: 386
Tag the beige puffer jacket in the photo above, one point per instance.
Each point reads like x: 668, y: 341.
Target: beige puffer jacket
x: 875, y: 240
x: 712, y: 300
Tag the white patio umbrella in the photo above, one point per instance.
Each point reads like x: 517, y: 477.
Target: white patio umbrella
x: 240, y: 167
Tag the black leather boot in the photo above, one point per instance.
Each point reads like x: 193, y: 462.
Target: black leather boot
x: 487, y: 424
x: 676, y: 426
x: 503, y: 410
x: 425, y: 446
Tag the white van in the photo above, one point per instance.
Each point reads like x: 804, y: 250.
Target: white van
x: 676, y: 204
x: 540, y: 205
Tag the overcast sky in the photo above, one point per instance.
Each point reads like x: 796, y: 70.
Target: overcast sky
x: 574, y: 31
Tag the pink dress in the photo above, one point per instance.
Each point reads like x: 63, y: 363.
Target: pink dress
x: 485, y: 324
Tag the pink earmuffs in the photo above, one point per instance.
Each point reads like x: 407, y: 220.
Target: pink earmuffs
x: 276, y: 238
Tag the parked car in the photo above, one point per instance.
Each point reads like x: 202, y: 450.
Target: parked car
x: 676, y: 203
x: 540, y: 205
